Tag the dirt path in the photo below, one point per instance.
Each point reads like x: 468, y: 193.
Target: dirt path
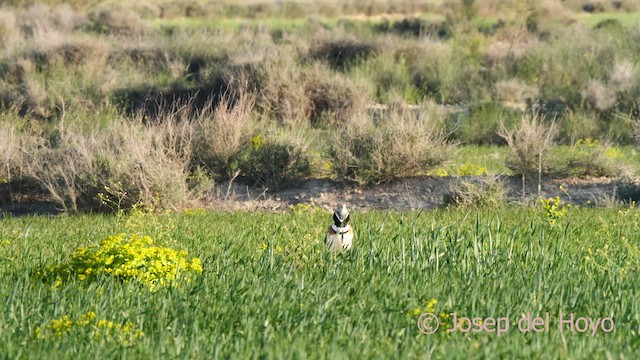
x: 413, y: 193
x: 407, y: 194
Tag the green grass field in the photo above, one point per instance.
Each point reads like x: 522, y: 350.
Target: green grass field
x: 269, y: 288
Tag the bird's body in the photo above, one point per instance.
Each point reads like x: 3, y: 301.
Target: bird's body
x: 340, y: 234
x: 339, y: 238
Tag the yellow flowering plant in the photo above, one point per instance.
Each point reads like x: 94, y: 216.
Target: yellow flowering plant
x: 92, y: 326
x: 430, y: 308
x: 468, y: 169
x: 554, y: 209
x: 129, y: 258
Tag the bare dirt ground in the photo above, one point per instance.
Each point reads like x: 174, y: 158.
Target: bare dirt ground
x: 406, y: 194
x: 411, y: 193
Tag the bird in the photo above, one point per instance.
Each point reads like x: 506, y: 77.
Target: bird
x: 340, y: 234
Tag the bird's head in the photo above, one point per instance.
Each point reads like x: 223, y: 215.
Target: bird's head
x: 341, y: 216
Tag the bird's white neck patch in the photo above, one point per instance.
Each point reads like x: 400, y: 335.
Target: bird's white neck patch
x: 340, y: 230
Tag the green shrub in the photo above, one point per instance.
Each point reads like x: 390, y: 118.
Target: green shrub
x: 590, y: 157
x: 391, y: 76
x: 481, y: 123
x: 417, y: 27
x: 578, y: 125
x: 270, y: 162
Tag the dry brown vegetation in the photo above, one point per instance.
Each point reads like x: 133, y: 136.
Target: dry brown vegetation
x: 400, y: 143
x: 106, y: 95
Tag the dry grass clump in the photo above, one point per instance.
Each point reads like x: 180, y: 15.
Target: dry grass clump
x: 115, y: 168
x: 41, y: 19
x: 402, y: 143
x: 9, y: 30
x: 17, y: 143
x: 115, y: 19
x: 222, y: 132
x: 623, y: 76
x: 528, y: 145
x: 283, y: 97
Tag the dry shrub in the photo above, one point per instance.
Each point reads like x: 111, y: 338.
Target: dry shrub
x: 597, y: 96
x: 9, y: 29
x: 515, y: 92
x: 402, y: 143
x: 15, y: 145
x: 282, y: 96
x: 333, y: 98
x: 114, y: 169
x: 529, y: 145
x: 476, y: 192
x: 509, y: 51
x: 116, y: 19
x: 222, y: 132
x: 60, y: 53
x: 11, y: 156
x: 623, y: 76
x: 42, y: 19
x: 18, y: 141
x: 36, y: 100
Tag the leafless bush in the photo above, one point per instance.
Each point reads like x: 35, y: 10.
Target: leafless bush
x: 42, y: 21
x: 14, y: 147
x: 528, y: 145
x: 401, y: 144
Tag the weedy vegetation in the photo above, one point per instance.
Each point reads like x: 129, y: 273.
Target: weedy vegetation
x: 126, y: 115
x: 269, y: 287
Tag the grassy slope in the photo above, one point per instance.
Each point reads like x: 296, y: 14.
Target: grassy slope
x: 294, y: 300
